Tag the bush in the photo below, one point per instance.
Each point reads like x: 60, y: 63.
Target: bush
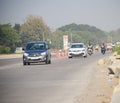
x: 117, y: 49
x: 4, y: 50
x: 118, y: 52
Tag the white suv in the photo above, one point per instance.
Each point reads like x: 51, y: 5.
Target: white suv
x: 77, y: 49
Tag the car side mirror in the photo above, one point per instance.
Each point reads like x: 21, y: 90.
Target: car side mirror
x: 47, y: 46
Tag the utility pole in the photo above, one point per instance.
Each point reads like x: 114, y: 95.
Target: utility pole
x: 111, y: 39
x: 71, y: 37
x: 43, y: 37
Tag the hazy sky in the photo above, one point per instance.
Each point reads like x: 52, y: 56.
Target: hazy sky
x: 104, y: 14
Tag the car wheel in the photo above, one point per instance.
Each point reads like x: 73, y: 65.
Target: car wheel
x: 85, y: 56
x: 49, y: 62
x: 24, y: 63
x: 69, y: 57
x: 46, y: 62
x: 28, y: 63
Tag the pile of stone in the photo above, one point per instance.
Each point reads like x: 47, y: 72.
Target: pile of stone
x: 113, y: 65
x: 114, y: 68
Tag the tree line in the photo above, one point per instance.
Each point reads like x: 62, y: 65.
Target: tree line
x: 35, y: 29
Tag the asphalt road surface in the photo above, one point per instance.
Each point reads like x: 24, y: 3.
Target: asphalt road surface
x: 63, y: 81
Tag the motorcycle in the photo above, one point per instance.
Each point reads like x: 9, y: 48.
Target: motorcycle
x: 90, y: 51
x: 103, y: 50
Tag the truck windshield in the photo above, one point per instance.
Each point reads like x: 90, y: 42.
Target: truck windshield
x: 35, y: 46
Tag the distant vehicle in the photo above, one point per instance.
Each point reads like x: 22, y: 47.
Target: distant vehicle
x: 103, y: 49
x: 77, y: 49
x: 19, y: 50
x: 117, y: 43
x: 96, y: 47
x: 90, y: 51
x: 109, y: 46
x: 36, y: 51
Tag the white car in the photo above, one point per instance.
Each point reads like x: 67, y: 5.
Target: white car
x: 77, y: 49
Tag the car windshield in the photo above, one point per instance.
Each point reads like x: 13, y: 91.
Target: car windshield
x: 77, y: 46
x: 35, y: 46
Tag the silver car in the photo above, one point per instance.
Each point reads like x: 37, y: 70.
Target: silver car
x: 37, y: 51
x: 77, y: 49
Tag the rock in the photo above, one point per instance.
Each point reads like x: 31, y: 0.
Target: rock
x: 114, y: 69
x: 101, y: 62
x: 117, y: 89
x: 119, y: 81
x: 108, y: 61
x: 112, y: 58
x: 115, y: 54
x: 117, y: 57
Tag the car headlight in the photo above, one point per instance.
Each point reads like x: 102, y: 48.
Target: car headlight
x: 70, y: 51
x: 26, y: 54
x: 43, y: 54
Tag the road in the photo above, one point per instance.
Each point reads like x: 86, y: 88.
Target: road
x: 63, y: 81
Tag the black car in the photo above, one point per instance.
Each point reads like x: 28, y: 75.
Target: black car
x: 37, y: 51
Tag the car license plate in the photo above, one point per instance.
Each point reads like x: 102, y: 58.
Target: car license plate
x: 76, y: 53
x: 33, y: 58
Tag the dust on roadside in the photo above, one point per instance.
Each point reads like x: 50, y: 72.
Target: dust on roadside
x: 7, y: 56
x: 100, y: 89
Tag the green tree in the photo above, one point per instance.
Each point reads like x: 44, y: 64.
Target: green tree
x: 8, y: 37
x: 17, y: 28
x: 34, y: 29
x: 57, y: 39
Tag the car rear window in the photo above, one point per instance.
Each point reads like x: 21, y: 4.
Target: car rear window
x: 77, y: 46
x: 35, y: 46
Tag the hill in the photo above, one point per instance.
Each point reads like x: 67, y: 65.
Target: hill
x: 84, y: 33
x: 78, y: 33
x: 115, y: 35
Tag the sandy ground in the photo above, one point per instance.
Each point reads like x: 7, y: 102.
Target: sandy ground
x: 101, y: 87
x: 3, y: 56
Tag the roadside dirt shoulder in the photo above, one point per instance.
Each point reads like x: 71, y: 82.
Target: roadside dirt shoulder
x: 4, y: 56
x: 100, y: 89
